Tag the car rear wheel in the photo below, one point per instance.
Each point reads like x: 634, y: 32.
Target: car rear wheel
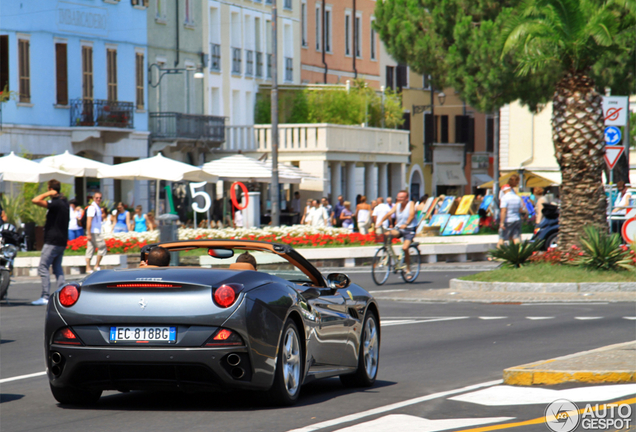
x: 75, y: 396
x: 289, y: 367
x: 369, y: 356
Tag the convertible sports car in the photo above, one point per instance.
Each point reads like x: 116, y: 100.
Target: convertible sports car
x: 218, y: 325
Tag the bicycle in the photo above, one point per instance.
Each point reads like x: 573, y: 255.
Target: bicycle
x: 386, y: 261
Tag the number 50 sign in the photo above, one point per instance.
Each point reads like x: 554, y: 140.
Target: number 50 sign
x: 207, y: 201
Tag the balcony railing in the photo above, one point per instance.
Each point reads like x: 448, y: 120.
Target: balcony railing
x: 249, y: 62
x: 269, y: 65
x: 102, y: 113
x: 289, y: 69
x: 236, y: 61
x: 259, y: 64
x: 173, y: 125
x: 215, y: 57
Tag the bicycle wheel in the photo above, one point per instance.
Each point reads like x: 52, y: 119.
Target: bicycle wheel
x: 381, y: 266
x: 414, y: 254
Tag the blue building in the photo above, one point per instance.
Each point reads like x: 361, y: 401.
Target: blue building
x: 76, y: 72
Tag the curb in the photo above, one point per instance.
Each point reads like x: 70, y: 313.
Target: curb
x: 543, y: 287
x: 540, y: 373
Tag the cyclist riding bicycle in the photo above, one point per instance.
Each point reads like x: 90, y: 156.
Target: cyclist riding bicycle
x: 405, y: 224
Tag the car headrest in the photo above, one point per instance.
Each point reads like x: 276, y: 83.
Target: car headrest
x: 242, y: 266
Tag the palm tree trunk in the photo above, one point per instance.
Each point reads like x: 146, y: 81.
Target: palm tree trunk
x: 577, y: 132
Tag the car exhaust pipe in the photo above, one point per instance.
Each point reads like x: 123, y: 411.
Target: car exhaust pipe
x: 234, y: 360
x: 56, y: 358
x: 56, y: 370
x: 238, y: 373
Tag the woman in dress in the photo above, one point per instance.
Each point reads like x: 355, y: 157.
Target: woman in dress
x: 151, y: 223
x: 363, y: 215
x: 75, y: 216
x: 123, y: 219
x: 346, y: 216
x: 107, y: 223
x: 139, y: 220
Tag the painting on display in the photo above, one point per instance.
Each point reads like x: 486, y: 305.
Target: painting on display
x: 427, y: 205
x: 440, y: 221
x: 464, y: 205
x: 472, y: 227
x: 485, y: 204
x: 446, y: 205
x: 431, y: 209
x: 529, y: 205
x: 456, y: 224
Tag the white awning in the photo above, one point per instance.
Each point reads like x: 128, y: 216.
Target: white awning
x: 478, y: 179
x: 553, y: 176
x: 450, y: 174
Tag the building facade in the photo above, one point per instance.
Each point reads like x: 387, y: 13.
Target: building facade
x: 339, y: 42
x: 77, y: 78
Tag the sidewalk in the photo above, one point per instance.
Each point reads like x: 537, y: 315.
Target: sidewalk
x: 610, y: 364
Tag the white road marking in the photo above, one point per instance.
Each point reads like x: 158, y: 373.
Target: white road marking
x: 565, y: 304
x: 391, y: 407
x: 630, y: 318
x: 492, y: 317
x: 510, y: 395
x: 587, y: 318
x: 539, y: 318
x: 386, y: 291
x: 409, y: 423
x: 21, y: 377
x: 389, y: 323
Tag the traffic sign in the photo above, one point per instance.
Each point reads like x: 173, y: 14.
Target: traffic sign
x: 629, y: 230
x: 612, y: 153
x: 613, y: 135
x: 615, y: 110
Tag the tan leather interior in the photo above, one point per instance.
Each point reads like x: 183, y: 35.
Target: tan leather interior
x: 242, y: 266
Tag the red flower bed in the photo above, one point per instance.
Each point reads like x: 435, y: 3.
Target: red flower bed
x: 114, y: 246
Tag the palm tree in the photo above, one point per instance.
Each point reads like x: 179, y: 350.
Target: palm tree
x: 564, y: 39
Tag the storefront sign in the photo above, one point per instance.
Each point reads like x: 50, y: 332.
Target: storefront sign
x: 83, y: 19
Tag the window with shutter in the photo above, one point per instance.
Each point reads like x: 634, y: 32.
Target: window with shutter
x: 111, y: 65
x: 139, y: 78
x: 87, y: 72
x: 444, y: 128
x: 4, y: 63
x: 61, y: 74
x: 24, y: 68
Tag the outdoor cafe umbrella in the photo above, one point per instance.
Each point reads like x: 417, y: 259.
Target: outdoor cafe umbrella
x: 246, y: 169
x: 18, y: 169
x: 74, y: 165
x: 156, y: 168
x: 531, y: 180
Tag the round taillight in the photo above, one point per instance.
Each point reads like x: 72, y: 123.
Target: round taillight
x: 224, y: 296
x: 69, y: 295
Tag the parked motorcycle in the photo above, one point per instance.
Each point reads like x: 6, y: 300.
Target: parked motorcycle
x: 548, y: 229
x: 10, y: 241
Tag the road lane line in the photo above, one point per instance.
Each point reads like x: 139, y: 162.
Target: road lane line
x: 492, y: 317
x: 21, y: 377
x: 391, y: 407
x: 386, y: 291
x: 534, y: 318
x: 390, y: 323
x: 587, y: 318
x: 630, y: 318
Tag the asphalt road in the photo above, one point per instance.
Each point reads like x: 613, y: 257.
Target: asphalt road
x: 430, y: 353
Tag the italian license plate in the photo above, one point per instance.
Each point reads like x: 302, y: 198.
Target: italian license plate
x: 143, y: 334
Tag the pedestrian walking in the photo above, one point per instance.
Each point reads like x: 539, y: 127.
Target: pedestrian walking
x: 329, y: 209
x: 123, y: 219
x: 363, y: 215
x: 511, y: 207
x: 337, y: 210
x: 151, y: 223
x: 539, y: 193
x: 75, y: 217
x: 389, y: 202
x: 317, y: 216
x: 55, y: 238
x: 296, y: 208
x: 346, y: 217
x: 107, y: 223
x: 308, y: 207
x: 380, y: 210
x: 96, y: 243
x: 139, y: 220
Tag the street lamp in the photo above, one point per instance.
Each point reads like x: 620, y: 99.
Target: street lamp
x: 419, y: 109
x: 172, y: 71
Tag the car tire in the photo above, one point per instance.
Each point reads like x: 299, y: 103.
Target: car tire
x: 552, y: 238
x: 75, y: 396
x: 289, y: 367
x: 368, y: 356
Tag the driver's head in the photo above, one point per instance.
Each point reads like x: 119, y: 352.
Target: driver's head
x: 246, y: 257
x: 159, y: 257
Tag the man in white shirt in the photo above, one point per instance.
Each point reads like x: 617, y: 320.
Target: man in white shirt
x: 379, y: 211
x: 317, y: 216
x: 511, y: 207
x: 94, y: 233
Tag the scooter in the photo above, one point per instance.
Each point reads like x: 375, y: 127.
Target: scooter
x: 548, y: 229
x: 9, y: 243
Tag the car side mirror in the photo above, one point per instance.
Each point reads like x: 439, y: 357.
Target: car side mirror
x: 338, y: 280
x: 310, y: 293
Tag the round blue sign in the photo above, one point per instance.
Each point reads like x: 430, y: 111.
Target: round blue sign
x: 612, y: 135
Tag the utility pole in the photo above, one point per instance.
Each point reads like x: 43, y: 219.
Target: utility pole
x: 274, y: 189
x: 495, y: 186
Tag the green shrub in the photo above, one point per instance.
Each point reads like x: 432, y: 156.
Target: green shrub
x: 515, y: 254
x: 602, y: 251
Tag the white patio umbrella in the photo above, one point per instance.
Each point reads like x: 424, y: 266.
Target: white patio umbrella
x: 18, y: 169
x: 74, y: 165
x: 290, y: 170
x: 246, y: 169
x: 156, y: 168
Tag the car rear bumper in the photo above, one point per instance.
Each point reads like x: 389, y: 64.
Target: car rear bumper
x: 150, y: 368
